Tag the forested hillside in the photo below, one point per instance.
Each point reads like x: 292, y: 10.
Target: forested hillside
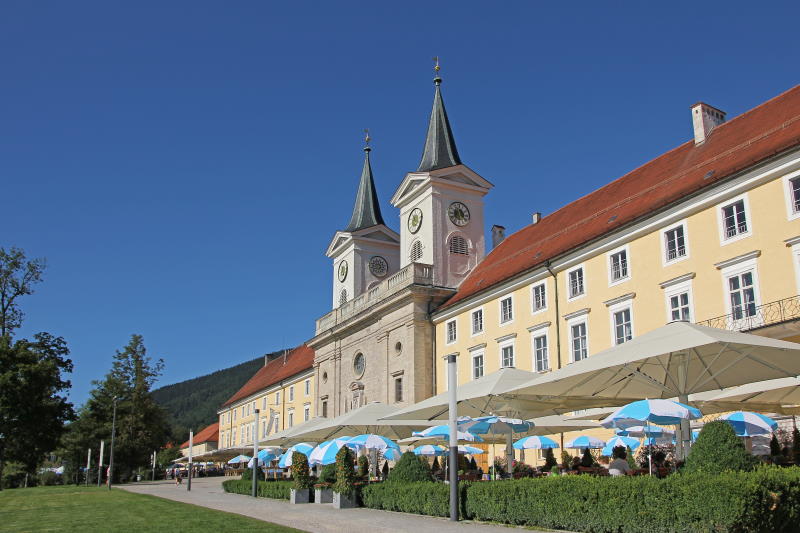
x: 193, y: 404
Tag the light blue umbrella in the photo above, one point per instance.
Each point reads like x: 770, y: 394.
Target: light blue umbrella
x: 239, y: 459
x: 430, y: 449
x: 535, y: 443
x: 493, y: 424
x: 443, y: 432
x: 748, y: 424
x: 627, y: 442
x: 325, y: 453
x: 286, y: 459
x: 264, y: 456
x: 370, y: 441
x: 585, y: 441
x: 392, y: 454
x: 653, y: 432
x: 469, y: 450
x: 662, y: 412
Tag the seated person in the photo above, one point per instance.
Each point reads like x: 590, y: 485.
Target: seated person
x: 576, y: 464
x: 619, y: 465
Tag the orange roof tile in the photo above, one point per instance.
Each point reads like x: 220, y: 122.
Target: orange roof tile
x: 754, y: 136
x: 297, y: 360
x: 206, y: 434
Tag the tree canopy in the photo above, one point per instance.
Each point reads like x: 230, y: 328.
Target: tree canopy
x: 18, y: 275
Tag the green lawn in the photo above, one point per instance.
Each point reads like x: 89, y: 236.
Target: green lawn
x: 82, y: 509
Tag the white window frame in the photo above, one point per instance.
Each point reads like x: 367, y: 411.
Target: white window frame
x: 505, y: 343
x: 791, y: 214
x: 447, y: 325
x: 290, y: 418
x: 609, y: 255
x: 723, y: 240
x: 794, y: 247
x: 540, y: 331
x: 500, y: 310
x: 613, y: 310
x: 748, y: 264
x: 474, y: 354
x: 277, y: 397
x: 307, y: 384
x: 663, y: 235
x: 543, y: 284
x: 472, y: 321
x: 291, y: 393
x: 571, y: 298
x: 574, y: 321
x: 676, y: 289
x: 306, y: 412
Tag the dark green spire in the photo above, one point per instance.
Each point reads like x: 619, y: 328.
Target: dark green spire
x: 440, y: 147
x: 366, y: 210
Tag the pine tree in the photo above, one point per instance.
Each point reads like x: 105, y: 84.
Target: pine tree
x: 718, y: 449
x: 549, y: 460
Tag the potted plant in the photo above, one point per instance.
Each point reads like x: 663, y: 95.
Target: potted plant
x: 363, y: 467
x: 301, y: 480
x: 323, y: 489
x: 344, y: 496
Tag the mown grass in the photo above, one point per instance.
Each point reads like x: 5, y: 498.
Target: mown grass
x: 83, y: 509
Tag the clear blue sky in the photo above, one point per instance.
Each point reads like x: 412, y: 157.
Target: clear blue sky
x: 183, y: 165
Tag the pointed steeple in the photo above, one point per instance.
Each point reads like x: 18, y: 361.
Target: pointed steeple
x: 367, y: 209
x: 440, y: 146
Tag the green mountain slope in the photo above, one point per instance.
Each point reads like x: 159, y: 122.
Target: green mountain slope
x: 193, y: 404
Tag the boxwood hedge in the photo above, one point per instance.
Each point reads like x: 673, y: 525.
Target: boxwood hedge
x: 767, y: 499
x: 278, y: 490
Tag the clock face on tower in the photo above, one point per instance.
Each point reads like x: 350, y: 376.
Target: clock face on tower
x: 415, y: 220
x: 458, y: 213
x: 378, y: 266
x: 342, y: 271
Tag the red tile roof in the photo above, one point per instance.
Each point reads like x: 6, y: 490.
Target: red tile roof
x: 297, y: 360
x: 207, y: 434
x: 754, y: 136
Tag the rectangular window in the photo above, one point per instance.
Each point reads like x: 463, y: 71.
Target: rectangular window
x: 306, y: 413
x: 507, y: 356
x: 291, y: 419
x: 734, y: 219
x: 742, y: 295
x: 539, y: 298
x: 679, y: 306
x: 477, y: 321
x: 291, y: 393
x: 576, y: 282
x: 233, y: 437
x: 506, y: 310
x: 325, y: 409
x: 794, y: 186
x: 234, y: 415
x: 675, y: 243
x: 308, y: 387
x: 398, y: 389
x: 264, y: 403
x: 540, y: 353
x: 477, y: 365
x: 243, y: 411
x: 619, y: 265
x: 623, y: 332
x: 277, y: 397
x: 451, y: 332
x: 578, y: 333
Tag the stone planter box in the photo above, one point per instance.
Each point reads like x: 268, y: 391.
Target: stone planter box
x: 344, y: 501
x: 300, y: 496
x: 323, y: 495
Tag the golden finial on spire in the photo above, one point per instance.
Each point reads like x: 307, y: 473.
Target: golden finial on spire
x: 367, y: 139
x: 436, y: 68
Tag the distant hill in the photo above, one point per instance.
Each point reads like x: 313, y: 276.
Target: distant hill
x: 193, y: 404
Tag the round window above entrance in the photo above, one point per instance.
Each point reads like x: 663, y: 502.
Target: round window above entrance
x: 359, y: 364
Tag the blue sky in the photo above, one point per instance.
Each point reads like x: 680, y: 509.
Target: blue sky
x: 183, y: 165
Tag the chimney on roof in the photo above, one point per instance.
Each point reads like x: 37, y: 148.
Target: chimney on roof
x: 704, y: 119
x: 537, y: 216
x: 498, y: 235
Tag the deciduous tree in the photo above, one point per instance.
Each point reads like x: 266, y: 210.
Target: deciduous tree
x: 18, y: 275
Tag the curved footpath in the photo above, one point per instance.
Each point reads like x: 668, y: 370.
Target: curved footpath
x: 207, y: 492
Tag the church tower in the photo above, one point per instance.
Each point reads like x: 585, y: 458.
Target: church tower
x: 441, y: 205
x: 366, y: 251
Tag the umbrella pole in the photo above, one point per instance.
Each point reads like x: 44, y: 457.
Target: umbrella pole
x: 452, y: 393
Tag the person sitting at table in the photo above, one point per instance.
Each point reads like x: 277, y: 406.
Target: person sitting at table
x: 575, y: 466
x: 619, y: 465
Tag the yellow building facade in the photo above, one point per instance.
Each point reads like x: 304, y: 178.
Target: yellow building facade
x: 726, y: 255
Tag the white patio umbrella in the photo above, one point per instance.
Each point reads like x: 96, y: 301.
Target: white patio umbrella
x: 672, y: 361
x: 772, y: 396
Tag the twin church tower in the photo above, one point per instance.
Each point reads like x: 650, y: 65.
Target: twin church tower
x: 377, y: 344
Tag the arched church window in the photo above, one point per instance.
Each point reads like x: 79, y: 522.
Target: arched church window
x: 343, y: 297
x: 458, y: 245
x: 416, y: 251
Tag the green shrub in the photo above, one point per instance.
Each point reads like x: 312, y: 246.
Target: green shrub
x: 422, y: 497
x: 795, y: 457
x: 363, y: 466
x: 549, y: 460
x: 718, y: 449
x: 587, y: 459
x: 278, y: 490
x: 49, y: 478
x: 247, y: 475
x: 301, y: 479
x: 345, y: 472
x: 328, y: 474
x: 566, y: 459
x: 410, y: 468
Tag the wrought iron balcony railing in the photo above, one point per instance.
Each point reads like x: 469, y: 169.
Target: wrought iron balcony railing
x: 763, y: 315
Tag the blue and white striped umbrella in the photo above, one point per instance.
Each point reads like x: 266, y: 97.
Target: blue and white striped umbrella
x: 430, y: 449
x: 370, y: 441
x: 535, y: 443
x: 392, y: 454
x: 663, y: 412
x: 325, y: 453
x: 443, y: 431
x: 627, y: 442
x: 286, y: 459
x: 651, y: 432
x: 748, y: 424
x: 264, y: 456
x: 585, y: 441
x: 493, y: 424
x: 469, y: 450
x: 239, y: 459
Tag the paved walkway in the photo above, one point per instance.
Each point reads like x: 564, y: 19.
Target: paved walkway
x: 207, y: 492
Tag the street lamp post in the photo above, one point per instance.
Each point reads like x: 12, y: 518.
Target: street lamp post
x: 113, y: 434
x: 452, y: 463
x: 255, y: 456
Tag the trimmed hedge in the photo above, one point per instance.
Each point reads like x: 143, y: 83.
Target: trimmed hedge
x: 278, y: 490
x: 767, y: 499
